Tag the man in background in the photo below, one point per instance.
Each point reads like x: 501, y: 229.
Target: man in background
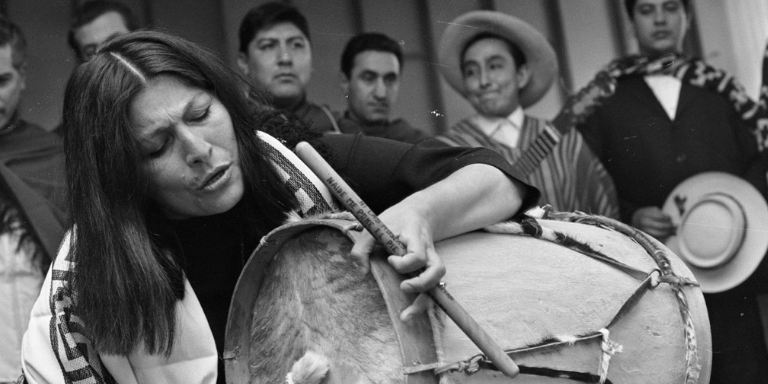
x: 32, y: 213
x: 276, y: 57
x: 502, y: 65
x: 96, y: 21
x: 370, y: 66
x: 93, y: 23
x: 656, y: 131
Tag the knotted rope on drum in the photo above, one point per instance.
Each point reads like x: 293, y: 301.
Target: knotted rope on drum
x: 609, y: 348
x: 676, y: 283
x: 531, y: 227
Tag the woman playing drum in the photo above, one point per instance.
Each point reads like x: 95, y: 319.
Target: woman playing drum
x: 171, y: 188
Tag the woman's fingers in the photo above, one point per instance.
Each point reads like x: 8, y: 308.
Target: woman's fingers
x: 421, y: 304
x: 421, y: 261
x: 361, y: 252
x: 408, y: 263
x: 430, y: 276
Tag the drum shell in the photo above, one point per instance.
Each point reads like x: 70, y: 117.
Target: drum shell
x: 538, y: 290
x: 521, y: 290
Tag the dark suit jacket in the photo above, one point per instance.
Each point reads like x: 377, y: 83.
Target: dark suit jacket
x: 648, y: 155
x: 398, y: 129
x: 32, y: 167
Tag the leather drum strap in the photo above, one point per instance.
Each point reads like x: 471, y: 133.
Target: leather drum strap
x: 417, y: 343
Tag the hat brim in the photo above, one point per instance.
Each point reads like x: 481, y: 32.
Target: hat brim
x: 539, y: 54
x: 755, y: 242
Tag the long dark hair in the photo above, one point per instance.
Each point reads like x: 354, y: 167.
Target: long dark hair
x: 126, y: 282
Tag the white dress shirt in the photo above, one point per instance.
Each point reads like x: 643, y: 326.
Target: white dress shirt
x: 503, y: 129
x: 667, y: 91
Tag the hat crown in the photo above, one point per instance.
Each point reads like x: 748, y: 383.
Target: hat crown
x: 712, y: 231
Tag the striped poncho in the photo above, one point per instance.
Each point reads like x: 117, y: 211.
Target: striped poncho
x: 571, y: 178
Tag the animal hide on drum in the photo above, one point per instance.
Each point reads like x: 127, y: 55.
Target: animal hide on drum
x: 314, y: 299
x: 521, y: 290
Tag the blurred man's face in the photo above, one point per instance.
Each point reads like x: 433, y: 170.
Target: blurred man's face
x: 278, y: 61
x: 89, y: 36
x: 660, y: 26
x: 372, y: 86
x: 12, y: 82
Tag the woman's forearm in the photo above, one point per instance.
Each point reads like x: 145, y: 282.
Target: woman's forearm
x: 472, y: 197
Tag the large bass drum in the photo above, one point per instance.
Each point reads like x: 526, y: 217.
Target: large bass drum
x: 570, y: 302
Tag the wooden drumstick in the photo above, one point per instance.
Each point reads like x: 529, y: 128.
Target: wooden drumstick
x: 381, y: 232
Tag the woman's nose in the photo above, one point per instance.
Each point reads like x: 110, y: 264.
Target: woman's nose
x: 196, y: 148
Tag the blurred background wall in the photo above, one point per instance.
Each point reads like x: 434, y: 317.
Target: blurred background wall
x: 586, y: 35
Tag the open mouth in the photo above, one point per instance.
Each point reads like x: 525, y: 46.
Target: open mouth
x: 215, y: 179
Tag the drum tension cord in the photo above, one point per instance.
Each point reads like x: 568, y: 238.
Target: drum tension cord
x: 662, y: 274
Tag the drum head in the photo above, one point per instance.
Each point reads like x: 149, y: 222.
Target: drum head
x: 524, y: 291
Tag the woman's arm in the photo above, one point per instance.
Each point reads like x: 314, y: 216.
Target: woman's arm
x: 470, y: 198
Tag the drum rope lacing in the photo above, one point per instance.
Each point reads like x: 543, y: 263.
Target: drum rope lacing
x: 676, y: 283
x: 663, y: 274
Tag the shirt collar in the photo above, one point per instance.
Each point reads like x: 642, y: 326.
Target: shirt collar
x: 489, y: 124
x: 667, y: 91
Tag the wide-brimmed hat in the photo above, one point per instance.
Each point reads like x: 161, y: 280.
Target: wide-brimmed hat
x: 539, y: 54
x: 722, y: 228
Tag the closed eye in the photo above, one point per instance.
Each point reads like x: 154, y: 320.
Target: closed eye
x: 200, y: 117
x: 158, y: 151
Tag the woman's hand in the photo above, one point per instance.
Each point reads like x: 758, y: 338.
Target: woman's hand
x: 470, y: 198
x: 420, y: 260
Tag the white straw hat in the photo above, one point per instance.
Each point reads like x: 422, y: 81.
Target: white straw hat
x: 539, y: 54
x: 722, y: 228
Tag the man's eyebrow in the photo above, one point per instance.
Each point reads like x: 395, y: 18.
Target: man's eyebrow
x: 495, y: 57
x: 296, y: 37
x: 469, y: 62
x: 289, y: 38
x: 266, y: 39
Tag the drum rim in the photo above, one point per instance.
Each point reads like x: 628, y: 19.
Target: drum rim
x: 237, y: 351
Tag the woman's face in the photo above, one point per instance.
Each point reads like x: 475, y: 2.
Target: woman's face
x: 189, y: 148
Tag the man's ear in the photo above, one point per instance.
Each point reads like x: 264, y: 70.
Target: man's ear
x: 22, y: 76
x: 242, y: 63
x: 689, y: 20
x: 523, y: 76
x: 344, y: 83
